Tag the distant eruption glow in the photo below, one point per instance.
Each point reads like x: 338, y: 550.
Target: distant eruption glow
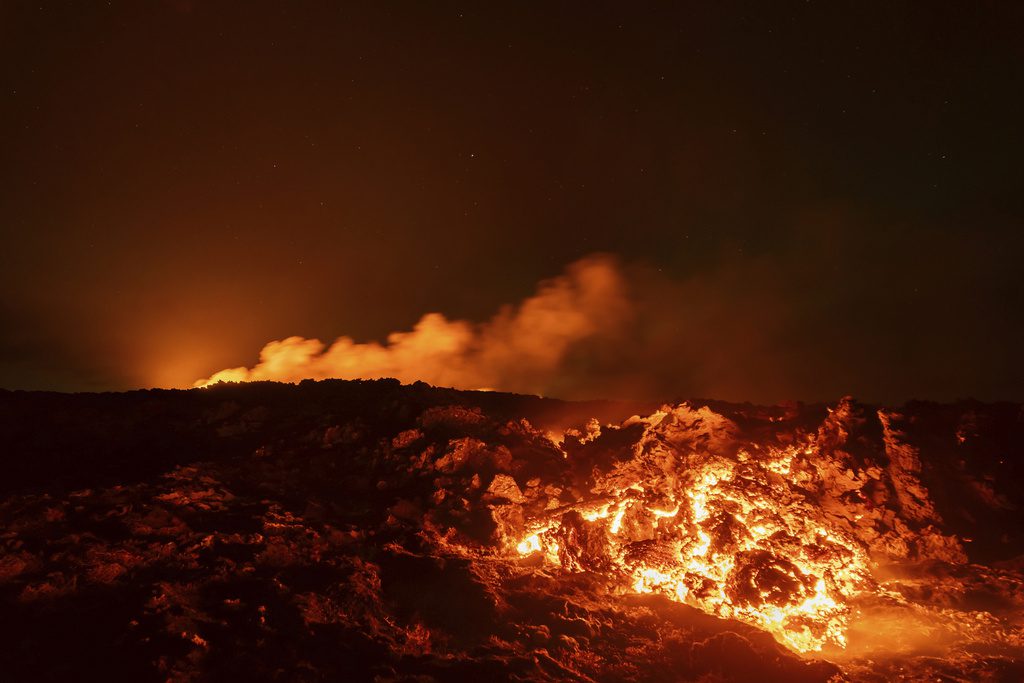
x: 518, y: 349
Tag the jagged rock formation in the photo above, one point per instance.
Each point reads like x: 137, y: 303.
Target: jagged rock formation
x: 370, y: 531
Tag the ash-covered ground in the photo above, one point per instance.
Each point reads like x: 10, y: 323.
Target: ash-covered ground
x: 369, y: 531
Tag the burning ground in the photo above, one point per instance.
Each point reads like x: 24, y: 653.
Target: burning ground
x: 373, y: 531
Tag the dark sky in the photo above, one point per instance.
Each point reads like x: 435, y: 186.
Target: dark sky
x: 826, y: 197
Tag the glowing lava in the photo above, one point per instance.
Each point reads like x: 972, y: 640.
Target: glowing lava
x: 728, y: 531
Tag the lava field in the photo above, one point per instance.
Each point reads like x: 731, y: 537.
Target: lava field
x: 373, y: 531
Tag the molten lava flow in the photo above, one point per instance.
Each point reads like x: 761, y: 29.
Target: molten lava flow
x: 729, y: 530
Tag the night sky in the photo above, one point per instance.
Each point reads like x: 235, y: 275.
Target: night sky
x: 808, y: 199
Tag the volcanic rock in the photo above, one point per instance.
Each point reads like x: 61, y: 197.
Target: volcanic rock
x: 373, y: 531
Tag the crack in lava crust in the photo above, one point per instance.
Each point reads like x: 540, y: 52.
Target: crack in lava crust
x: 733, y: 529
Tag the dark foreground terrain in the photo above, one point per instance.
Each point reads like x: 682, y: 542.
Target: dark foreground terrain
x: 368, y: 531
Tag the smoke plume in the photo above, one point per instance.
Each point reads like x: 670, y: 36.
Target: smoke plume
x: 522, y: 348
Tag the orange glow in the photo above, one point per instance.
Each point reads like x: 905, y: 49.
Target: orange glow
x: 729, y: 534
x: 517, y: 350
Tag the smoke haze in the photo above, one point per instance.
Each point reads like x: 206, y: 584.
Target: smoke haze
x: 748, y: 328
x: 523, y: 348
